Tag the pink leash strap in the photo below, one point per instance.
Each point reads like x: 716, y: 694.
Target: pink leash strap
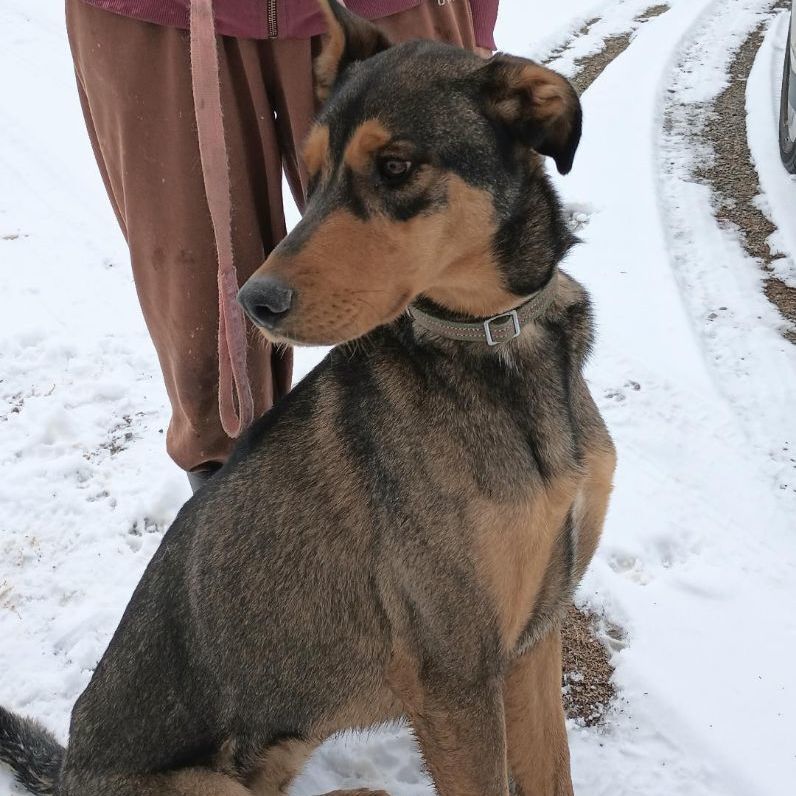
x: 235, y: 403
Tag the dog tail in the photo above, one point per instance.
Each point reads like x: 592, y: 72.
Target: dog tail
x: 31, y: 751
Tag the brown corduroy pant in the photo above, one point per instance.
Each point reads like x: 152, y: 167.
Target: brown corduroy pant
x: 134, y: 82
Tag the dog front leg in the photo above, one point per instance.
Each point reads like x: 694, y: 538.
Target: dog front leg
x: 461, y: 731
x: 538, y: 750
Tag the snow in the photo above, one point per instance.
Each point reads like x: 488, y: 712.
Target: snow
x: 691, y: 371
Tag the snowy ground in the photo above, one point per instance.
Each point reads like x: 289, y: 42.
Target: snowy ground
x: 698, y: 563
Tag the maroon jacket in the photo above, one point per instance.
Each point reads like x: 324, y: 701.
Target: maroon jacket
x: 286, y: 19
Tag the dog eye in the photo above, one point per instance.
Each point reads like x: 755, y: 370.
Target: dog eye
x: 394, y: 170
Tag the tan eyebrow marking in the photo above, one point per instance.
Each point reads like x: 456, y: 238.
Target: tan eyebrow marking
x: 316, y: 150
x: 367, y: 138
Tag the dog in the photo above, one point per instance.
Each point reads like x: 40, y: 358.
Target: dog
x: 398, y: 537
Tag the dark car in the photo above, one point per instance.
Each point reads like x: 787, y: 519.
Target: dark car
x: 787, y: 109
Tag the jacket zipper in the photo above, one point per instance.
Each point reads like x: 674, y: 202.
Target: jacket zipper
x: 273, y: 27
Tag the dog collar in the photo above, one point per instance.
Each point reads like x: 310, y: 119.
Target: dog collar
x: 495, y: 330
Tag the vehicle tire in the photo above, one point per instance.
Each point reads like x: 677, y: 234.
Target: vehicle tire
x: 787, y: 145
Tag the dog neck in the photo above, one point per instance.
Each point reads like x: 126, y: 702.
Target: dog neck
x: 493, y: 331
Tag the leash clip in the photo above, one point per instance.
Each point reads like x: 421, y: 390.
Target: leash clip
x: 490, y: 340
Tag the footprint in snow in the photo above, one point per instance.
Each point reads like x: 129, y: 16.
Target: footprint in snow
x: 577, y: 215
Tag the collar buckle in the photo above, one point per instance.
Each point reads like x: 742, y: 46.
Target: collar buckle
x: 512, y: 316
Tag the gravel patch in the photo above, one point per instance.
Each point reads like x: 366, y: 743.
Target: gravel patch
x: 588, y: 690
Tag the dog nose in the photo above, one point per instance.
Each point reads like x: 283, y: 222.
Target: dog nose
x: 265, y: 300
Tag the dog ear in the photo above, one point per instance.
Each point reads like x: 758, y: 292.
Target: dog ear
x: 538, y: 106
x: 349, y: 38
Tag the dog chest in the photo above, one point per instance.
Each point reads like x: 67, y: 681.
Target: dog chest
x: 522, y: 556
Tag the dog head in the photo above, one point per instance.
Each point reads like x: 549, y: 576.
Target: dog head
x: 426, y: 179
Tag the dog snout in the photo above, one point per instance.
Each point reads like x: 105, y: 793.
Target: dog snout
x: 266, y: 301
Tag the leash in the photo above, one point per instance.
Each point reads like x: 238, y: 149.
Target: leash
x: 235, y: 402
x: 495, y: 330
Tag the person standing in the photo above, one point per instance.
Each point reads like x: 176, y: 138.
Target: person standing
x: 133, y: 68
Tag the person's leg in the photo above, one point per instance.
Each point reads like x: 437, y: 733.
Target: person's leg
x: 135, y: 85
x: 451, y: 23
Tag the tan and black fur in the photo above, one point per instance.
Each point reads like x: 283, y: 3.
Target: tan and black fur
x: 397, y: 537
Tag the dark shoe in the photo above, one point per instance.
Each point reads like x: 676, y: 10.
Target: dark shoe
x: 201, y: 475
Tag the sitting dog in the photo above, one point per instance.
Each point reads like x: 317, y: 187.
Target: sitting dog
x: 399, y: 536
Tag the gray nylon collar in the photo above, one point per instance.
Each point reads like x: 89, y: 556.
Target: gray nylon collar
x: 495, y: 330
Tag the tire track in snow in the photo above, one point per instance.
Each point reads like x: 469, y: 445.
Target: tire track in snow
x: 588, y: 689
x: 697, y: 538
x: 719, y: 236
x: 589, y: 51
x: 733, y: 177
x: 591, y: 67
